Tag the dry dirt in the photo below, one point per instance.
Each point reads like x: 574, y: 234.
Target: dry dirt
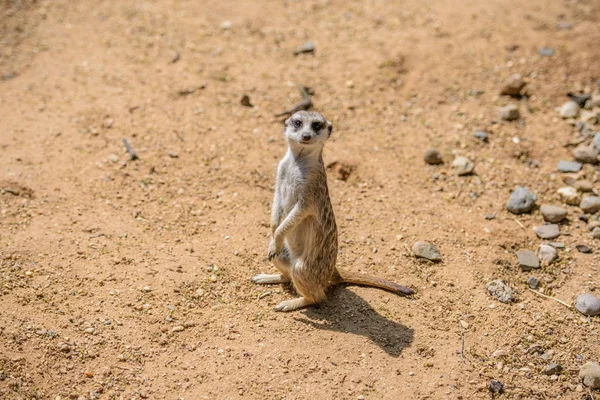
x: 102, y: 257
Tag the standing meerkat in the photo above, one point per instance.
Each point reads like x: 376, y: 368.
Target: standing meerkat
x: 304, y: 243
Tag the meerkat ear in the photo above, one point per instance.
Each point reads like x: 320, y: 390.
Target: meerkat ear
x: 329, y: 128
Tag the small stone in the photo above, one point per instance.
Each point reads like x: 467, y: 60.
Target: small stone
x: 89, y: 374
x: 89, y: 330
x: 426, y: 250
x: 433, y: 157
x: 596, y: 141
x: 528, y: 260
x: 178, y: 328
x: 308, y: 47
x: 590, y: 373
x: 513, y: 87
x: 595, y: 100
x: 226, y: 25
x: 510, y: 112
x: 495, y: 386
x: 521, y: 200
x: 588, y: 117
x: 590, y: 204
x: 596, y: 232
x: 549, y: 231
x: 586, y: 154
x: 245, y: 101
x: 481, y: 135
x: 533, y: 282
x: 569, y: 166
x: 490, y: 216
x: 113, y: 158
x: 146, y: 289
x: 587, y: 304
x: 569, y: 195
x: 582, y: 248
x: 499, y: 353
x: 463, y: 166
x: 553, y: 213
x: 569, y: 110
x: 547, y: 254
x: 546, y: 52
x: 500, y: 291
x: 593, y: 224
x: 584, y: 186
x: 553, y: 369
x: 557, y: 245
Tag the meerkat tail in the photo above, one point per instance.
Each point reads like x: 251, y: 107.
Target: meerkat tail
x: 367, y: 280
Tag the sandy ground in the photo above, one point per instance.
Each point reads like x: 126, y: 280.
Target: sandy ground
x: 126, y: 279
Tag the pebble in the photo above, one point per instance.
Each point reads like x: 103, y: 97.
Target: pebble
x: 596, y: 232
x: 500, y: 291
x: 595, y: 100
x: 553, y: 369
x: 569, y: 166
x: 307, y: 47
x: 146, y: 289
x: 549, y: 231
x: 590, y: 373
x: 553, y: 213
x: 113, y: 158
x: 569, y: 195
x: 463, y: 166
x: 433, y: 157
x: 514, y: 85
x: 533, y: 282
x: 584, y: 185
x: 481, y: 135
x: 528, y: 260
x: 557, y: 245
x: 588, y: 117
x: 546, y: 52
x: 495, y: 386
x: 226, y: 25
x: 178, y: 328
x: 521, y: 200
x: 596, y: 141
x: 582, y: 248
x: 547, y: 254
x: 586, y: 154
x: 510, y: 112
x: 569, y: 110
x: 499, y: 353
x: 590, y: 204
x: 587, y: 304
x: 426, y: 250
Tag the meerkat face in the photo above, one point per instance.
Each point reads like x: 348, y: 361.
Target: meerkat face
x: 308, y: 128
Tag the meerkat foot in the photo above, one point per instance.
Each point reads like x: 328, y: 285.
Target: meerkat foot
x: 294, y: 304
x: 267, y: 279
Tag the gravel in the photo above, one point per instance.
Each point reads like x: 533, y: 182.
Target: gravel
x: 463, y: 166
x: 433, y: 157
x: 513, y: 87
x: 481, y: 135
x: 549, y: 231
x: 547, y: 254
x: 521, y: 200
x: 569, y: 166
x: 533, y: 282
x: 586, y: 154
x: 569, y: 195
x: 553, y: 369
x: 553, y: 213
x: 590, y: 204
x: 528, y: 260
x: 569, y: 110
x: 510, y: 112
x: 426, y: 250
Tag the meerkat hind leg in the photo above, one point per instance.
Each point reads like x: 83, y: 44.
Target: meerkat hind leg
x: 294, y: 304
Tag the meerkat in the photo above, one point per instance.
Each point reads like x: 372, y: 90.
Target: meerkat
x: 304, y: 241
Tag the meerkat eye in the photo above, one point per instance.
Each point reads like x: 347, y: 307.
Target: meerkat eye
x: 317, y: 126
x: 297, y: 123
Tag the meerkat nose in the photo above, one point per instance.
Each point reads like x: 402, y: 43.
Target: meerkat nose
x: 305, y: 137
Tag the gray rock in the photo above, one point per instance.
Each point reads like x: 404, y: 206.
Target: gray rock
x: 533, y: 282
x: 510, y: 112
x: 528, y: 260
x: 463, y: 166
x: 549, y: 231
x: 569, y: 166
x: 590, y: 373
x: 426, y: 250
x: 597, y: 141
x: 547, y: 254
x: 481, y: 135
x: 514, y: 85
x: 521, y: 200
x: 546, y: 52
x: 587, y: 304
x: 553, y: 213
x: 586, y: 154
x: 596, y: 232
x: 569, y: 110
x: 553, y: 369
x: 557, y: 245
x: 582, y: 248
x: 433, y: 157
x: 500, y: 291
x: 590, y: 204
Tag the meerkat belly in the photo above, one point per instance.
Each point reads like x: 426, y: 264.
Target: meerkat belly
x: 306, y: 239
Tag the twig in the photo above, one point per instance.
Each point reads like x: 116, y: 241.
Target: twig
x: 265, y: 294
x: 520, y: 224
x: 462, y: 338
x: 125, y: 368
x: 132, y: 154
x: 304, y: 104
x: 550, y: 297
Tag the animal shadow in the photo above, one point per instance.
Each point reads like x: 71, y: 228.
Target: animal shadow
x: 347, y: 312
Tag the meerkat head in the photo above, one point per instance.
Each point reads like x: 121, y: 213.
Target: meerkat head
x: 307, y: 129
